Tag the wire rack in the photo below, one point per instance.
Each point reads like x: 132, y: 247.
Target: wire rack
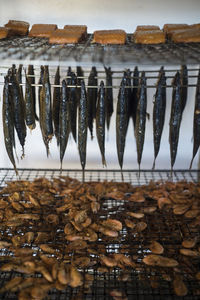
x: 169, y: 229
x: 38, y: 50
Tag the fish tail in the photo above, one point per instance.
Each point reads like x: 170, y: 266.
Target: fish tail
x: 139, y: 170
x: 191, y: 164
x: 122, y: 175
x: 104, y: 161
x: 83, y: 175
x: 23, y: 154
x: 16, y: 155
x: 61, y: 168
x: 154, y: 162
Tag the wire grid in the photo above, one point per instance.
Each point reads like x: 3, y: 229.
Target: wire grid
x: 39, y: 50
x: 168, y: 229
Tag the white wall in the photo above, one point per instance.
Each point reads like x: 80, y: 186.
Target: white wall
x: 98, y: 15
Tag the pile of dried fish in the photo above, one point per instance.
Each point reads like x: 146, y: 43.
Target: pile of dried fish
x: 55, y: 232
x: 58, y: 116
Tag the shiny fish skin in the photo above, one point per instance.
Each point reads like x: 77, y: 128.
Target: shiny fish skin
x: 64, y: 127
x: 46, y: 110
x: 56, y: 104
x: 73, y: 105
x: 121, y: 121
x: 40, y: 88
x: 79, y: 73
x: 127, y: 74
x: 108, y: 96
x: 82, y: 125
x: 100, y: 121
x: 92, y: 99
x: 141, y: 117
x: 8, y: 123
x: 32, y: 81
x: 184, y: 83
x: 19, y: 79
x: 134, y: 102
x: 29, y: 105
x: 19, y: 111
x: 159, y: 112
x: 196, y: 121
x: 175, y: 118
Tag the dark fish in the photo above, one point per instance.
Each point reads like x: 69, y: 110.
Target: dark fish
x: 127, y: 74
x: 184, y: 83
x: 32, y: 81
x: 64, y: 125
x: 159, y: 112
x: 141, y: 117
x: 175, y: 118
x: 108, y: 96
x: 56, y: 104
x: 82, y: 125
x: 79, y: 73
x: 121, y: 121
x: 196, y: 121
x: 73, y: 105
x: 40, y: 82
x: 134, y: 101
x: 46, y: 110
x: 19, y: 111
x: 29, y: 105
x: 69, y: 74
x: 100, y: 121
x: 92, y: 98
x: 19, y: 79
x: 8, y: 123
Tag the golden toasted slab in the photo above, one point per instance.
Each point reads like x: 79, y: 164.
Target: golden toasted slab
x: 149, y: 37
x: 117, y: 36
x: 62, y: 36
x: 3, y: 32
x: 17, y: 27
x: 42, y: 30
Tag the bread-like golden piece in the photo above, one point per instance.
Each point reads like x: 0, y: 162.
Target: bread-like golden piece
x: 186, y: 36
x: 149, y: 37
x: 197, y: 26
x: 147, y: 27
x: 17, y: 27
x: 81, y: 28
x: 3, y: 32
x: 116, y: 36
x: 42, y: 30
x: 171, y: 27
x: 62, y: 36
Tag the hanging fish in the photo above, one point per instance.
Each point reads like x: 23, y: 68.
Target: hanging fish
x: 64, y: 126
x: 184, y: 84
x: 196, y: 121
x: 92, y: 98
x: 121, y: 121
x: 8, y: 122
x: 19, y: 80
x: 19, y: 110
x: 159, y: 112
x: 56, y: 104
x: 29, y: 105
x: 31, y: 76
x: 175, y: 118
x: 82, y: 125
x: 46, y: 110
x: 100, y: 121
x: 73, y: 104
x: 127, y: 74
x: 134, y: 101
x: 40, y: 82
x: 108, y: 96
x: 141, y: 117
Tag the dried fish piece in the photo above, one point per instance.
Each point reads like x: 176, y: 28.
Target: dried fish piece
x: 118, y: 295
x: 129, y: 223
x: 149, y: 210
x: 112, y: 224
x: 82, y: 262
x: 180, y: 288
x: 42, y: 237
x: 4, y: 244
x: 54, y: 270
x: 192, y: 213
x: 76, y: 278
x: 39, y: 292
x: 90, y: 235
x: 29, y: 237
x: 190, y: 243
x: 160, y: 261
x: 43, y: 270
x: 180, y: 209
x: 81, y: 216
x: 47, y: 248
x: 33, y: 200
x: 52, y: 219
x: 139, y: 227
x: 135, y: 215
x: 11, y: 284
x: 156, y: 247
x: 63, y: 275
x: 17, y: 206
x: 188, y: 252
x: 23, y: 252
x: 108, y: 261
x: 95, y: 206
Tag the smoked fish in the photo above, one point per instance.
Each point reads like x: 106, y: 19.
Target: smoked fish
x: 82, y: 125
x: 79, y: 73
x: 175, y: 117
x: 127, y: 74
x: 196, y: 121
x: 121, y: 121
x: 64, y: 125
x: 141, y: 117
x: 40, y: 88
x: 56, y: 104
x: 31, y: 76
x: 19, y: 110
x: 8, y: 122
x: 184, y: 83
x: 19, y: 79
x: 46, y: 110
x: 29, y: 105
x: 73, y: 105
x: 108, y: 96
x: 159, y: 112
x: 92, y: 98
x: 100, y: 121
x: 134, y: 101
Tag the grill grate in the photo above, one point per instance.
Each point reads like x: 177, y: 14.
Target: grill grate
x: 168, y: 229
x: 38, y: 50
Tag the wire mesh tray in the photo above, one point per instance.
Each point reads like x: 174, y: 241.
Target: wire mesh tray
x: 39, y: 51
x: 168, y: 228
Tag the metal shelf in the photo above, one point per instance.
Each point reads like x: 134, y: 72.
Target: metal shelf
x: 39, y: 51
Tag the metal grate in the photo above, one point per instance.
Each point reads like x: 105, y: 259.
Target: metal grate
x: 38, y: 50
x: 165, y: 227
